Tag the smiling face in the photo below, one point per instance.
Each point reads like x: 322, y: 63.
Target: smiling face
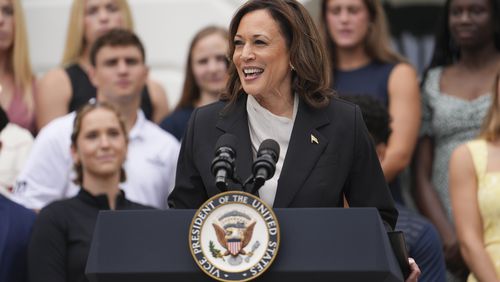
x: 119, y: 73
x: 101, y: 145
x: 261, y: 55
x: 100, y: 17
x: 7, y: 25
x: 209, y: 63
x: 348, y: 22
x: 470, y: 22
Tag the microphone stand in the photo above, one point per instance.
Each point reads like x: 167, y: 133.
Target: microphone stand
x: 237, y: 186
x: 251, y: 186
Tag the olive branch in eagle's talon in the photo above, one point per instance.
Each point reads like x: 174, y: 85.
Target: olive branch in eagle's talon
x: 215, y: 252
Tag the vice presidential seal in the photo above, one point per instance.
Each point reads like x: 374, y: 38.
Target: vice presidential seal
x: 234, y: 236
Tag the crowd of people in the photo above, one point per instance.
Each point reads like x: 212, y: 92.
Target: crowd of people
x: 350, y: 116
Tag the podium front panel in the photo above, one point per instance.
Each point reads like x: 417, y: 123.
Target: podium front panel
x: 317, y: 244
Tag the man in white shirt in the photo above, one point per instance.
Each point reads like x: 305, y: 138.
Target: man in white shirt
x: 119, y: 73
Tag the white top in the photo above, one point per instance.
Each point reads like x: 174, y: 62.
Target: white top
x: 48, y: 173
x: 264, y: 125
x: 16, y: 145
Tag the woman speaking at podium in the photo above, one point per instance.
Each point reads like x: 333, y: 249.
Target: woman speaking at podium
x: 279, y: 88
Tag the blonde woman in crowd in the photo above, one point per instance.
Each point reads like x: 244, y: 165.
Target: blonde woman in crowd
x: 475, y: 194
x: 16, y: 77
x: 66, y: 88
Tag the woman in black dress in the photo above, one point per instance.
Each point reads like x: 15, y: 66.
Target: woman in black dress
x: 63, y: 231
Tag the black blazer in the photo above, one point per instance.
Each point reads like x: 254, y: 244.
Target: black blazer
x: 313, y: 174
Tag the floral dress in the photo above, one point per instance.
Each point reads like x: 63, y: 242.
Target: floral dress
x: 449, y: 121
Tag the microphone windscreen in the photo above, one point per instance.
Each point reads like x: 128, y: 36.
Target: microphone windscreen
x: 269, y: 144
x: 226, y: 140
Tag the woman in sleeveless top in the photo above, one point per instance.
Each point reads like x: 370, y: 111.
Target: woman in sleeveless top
x: 357, y: 38
x: 475, y: 196
x: 455, y: 98
x: 66, y: 88
x: 16, y: 77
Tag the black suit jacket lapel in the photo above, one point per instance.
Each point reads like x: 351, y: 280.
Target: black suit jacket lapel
x: 305, y: 147
x: 235, y: 121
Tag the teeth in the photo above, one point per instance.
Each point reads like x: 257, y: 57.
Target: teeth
x: 251, y: 71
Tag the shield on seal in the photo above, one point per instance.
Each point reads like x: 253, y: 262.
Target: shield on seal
x: 234, y: 246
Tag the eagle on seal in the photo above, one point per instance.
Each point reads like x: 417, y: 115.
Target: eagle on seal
x: 235, y: 233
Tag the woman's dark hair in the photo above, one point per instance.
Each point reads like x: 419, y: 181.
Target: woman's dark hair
x: 446, y: 51
x: 375, y: 116
x: 191, y: 91
x: 308, y: 56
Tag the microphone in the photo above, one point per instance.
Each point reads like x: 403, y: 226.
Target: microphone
x: 223, y: 164
x: 264, y: 166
